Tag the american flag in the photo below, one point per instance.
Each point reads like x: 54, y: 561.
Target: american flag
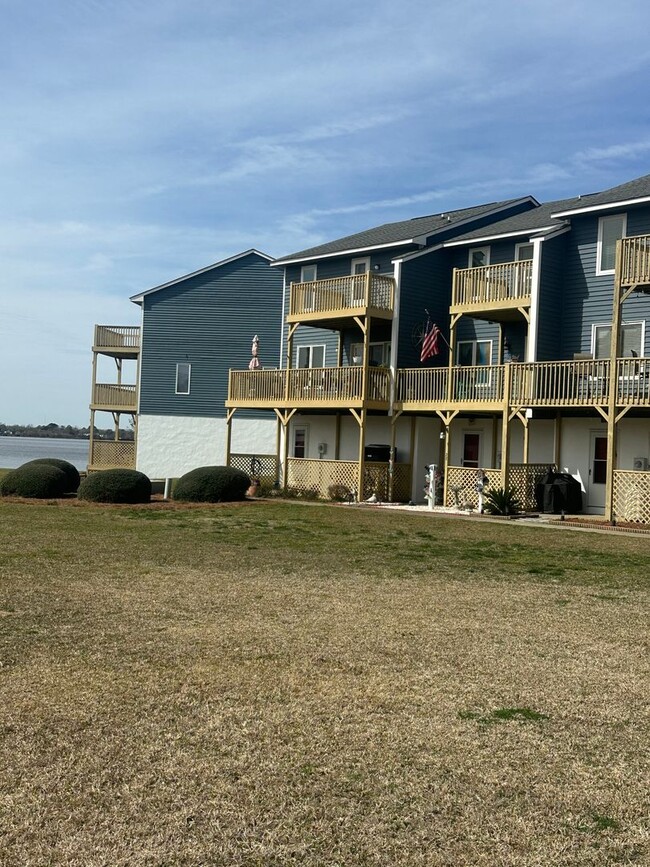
x: 430, y: 343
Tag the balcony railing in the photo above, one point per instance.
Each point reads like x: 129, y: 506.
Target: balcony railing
x: 113, y: 396
x: 339, y: 296
x: 508, y: 284
x: 117, y: 337
x: 309, y: 386
x: 635, y: 261
x: 469, y: 386
x: 549, y: 383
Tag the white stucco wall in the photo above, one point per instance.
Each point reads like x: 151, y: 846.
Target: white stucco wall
x: 169, y: 446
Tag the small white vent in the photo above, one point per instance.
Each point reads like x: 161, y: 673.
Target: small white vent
x: 640, y: 463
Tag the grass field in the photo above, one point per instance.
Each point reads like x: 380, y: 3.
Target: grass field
x: 286, y: 684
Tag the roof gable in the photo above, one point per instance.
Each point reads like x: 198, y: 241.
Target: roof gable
x: 137, y: 299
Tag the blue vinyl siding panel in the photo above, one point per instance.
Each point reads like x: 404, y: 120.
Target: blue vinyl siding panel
x: 587, y: 298
x: 209, y: 321
x: 549, y: 323
x: 425, y: 285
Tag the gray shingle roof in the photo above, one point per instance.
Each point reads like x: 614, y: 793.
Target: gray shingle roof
x: 396, y: 233
x: 639, y: 188
x: 527, y: 223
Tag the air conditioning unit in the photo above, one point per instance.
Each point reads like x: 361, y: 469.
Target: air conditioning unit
x: 640, y: 464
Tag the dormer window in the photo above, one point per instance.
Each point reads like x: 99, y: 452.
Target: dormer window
x: 610, y: 230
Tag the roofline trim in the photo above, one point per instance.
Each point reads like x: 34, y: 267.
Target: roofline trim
x: 137, y: 299
x: 417, y: 239
x: 484, y: 238
x: 342, y: 252
x: 591, y: 208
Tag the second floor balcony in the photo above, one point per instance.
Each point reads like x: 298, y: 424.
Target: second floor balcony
x: 310, y: 387
x: 498, y: 290
x: 115, y: 397
x: 118, y: 341
x: 342, y: 298
x: 635, y: 262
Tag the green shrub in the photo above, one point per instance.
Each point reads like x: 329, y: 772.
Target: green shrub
x: 71, y: 472
x: 38, y: 481
x: 339, y: 493
x: 212, y: 485
x: 501, y: 501
x: 116, y: 486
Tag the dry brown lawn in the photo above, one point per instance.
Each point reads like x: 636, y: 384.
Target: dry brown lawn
x: 281, y: 684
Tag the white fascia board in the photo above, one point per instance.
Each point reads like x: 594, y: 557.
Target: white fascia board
x: 609, y: 206
x: 456, y: 224
x: 137, y: 299
x: 416, y: 253
x: 561, y: 230
x: 484, y: 239
x: 279, y: 262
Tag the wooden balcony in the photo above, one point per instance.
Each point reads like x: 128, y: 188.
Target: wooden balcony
x: 499, y: 290
x: 341, y: 298
x: 635, y: 262
x: 580, y: 383
x: 118, y: 341
x: 471, y: 388
x: 312, y: 387
x: 113, y: 397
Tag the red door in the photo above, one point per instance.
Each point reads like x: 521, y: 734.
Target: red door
x: 471, y: 448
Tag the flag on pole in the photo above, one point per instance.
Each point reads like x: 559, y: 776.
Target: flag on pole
x: 430, y: 343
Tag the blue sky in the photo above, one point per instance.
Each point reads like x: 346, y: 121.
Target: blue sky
x: 144, y: 139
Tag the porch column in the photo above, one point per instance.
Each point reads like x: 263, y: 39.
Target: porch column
x: 361, y: 421
x: 613, y: 385
x: 557, y: 440
x: 505, y: 430
x: 229, y: 416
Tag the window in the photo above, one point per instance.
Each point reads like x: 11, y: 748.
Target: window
x: 378, y: 354
x: 610, y: 230
x: 308, y: 273
x: 183, y: 371
x: 476, y: 353
x: 523, y: 252
x: 310, y: 356
x: 479, y: 257
x: 361, y: 266
x: 300, y: 442
x: 631, y: 341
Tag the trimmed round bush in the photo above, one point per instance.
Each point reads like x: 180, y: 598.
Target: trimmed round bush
x: 116, y: 486
x: 38, y: 481
x: 212, y: 485
x: 71, y: 472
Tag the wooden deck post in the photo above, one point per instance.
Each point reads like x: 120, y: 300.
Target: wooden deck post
x: 557, y: 439
x: 613, y: 385
x: 229, y: 416
x: 505, y: 430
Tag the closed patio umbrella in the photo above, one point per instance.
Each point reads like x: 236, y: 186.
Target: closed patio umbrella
x: 254, y: 363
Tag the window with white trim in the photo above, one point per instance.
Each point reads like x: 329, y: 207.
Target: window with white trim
x: 300, y: 441
x: 361, y: 266
x: 183, y: 374
x: 473, y: 353
x: 308, y: 273
x: 631, y: 343
x: 378, y: 353
x: 523, y: 252
x: 610, y: 230
x: 310, y: 356
x: 478, y: 257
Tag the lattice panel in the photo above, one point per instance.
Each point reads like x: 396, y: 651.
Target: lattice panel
x: 263, y: 467
x: 112, y: 454
x: 522, y: 479
x: 632, y: 496
x: 318, y: 475
x: 461, y: 484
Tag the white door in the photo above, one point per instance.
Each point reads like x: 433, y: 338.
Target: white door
x: 597, y: 471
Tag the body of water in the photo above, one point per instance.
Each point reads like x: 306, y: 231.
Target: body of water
x: 15, y: 451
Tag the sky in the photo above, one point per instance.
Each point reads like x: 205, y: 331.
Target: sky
x: 146, y: 139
